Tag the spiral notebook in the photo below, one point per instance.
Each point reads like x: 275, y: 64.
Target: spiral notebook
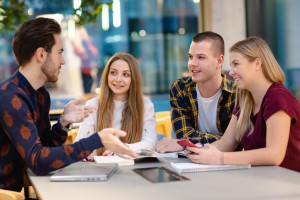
x: 193, y: 167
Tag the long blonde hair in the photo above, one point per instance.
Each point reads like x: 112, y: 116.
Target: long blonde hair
x: 133, y: 113
x: 252, y: 48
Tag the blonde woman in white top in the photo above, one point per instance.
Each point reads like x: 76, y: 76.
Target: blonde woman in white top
x: 121, y: 105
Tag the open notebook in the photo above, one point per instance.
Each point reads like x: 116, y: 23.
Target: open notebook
x: 85, y: 171
x: 123, y: 161
x: 193, y: 167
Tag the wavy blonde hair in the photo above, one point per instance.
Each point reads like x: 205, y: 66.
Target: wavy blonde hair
x: 253, y: 48
x: 133, y: 113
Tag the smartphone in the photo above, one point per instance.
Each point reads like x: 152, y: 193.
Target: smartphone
x: 186, y: 143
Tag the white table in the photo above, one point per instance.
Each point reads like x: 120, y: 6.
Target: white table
x: 255, y: 183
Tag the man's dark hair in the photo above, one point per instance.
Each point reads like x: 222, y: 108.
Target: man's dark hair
x: 217, y: 40
x: 33, y: 34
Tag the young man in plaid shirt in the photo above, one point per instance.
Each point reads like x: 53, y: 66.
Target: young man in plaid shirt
x: 202, y: 103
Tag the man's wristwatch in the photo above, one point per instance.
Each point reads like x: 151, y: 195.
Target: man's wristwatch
x: 64, y: 128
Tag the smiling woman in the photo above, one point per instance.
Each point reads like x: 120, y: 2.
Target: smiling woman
x: 266, y: 118
x: 121, y: 105
x: 119, y: 79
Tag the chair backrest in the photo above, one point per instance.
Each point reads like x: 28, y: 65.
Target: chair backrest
x: 163, y: 123
x: 11, y: 195
x: 55, y: 113
x: 72, y: 135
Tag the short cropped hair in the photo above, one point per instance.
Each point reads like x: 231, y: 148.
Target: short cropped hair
x: 216, y: 39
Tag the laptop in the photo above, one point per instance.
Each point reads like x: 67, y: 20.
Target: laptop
x: 84, y: 171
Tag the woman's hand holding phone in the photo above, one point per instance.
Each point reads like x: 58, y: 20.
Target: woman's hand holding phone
x: 185, y: 142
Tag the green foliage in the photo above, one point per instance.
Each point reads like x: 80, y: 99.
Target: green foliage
x: 89, y: 10
x: 12, y: 13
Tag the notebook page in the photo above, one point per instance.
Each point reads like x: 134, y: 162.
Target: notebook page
x: 193, y: 167
x: 113, y: 160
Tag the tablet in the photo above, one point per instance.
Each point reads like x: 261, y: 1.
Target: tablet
x: 159, y: 174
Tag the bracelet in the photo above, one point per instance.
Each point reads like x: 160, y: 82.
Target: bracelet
x: 222, y: 158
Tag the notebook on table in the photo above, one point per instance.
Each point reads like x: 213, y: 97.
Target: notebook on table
x: 193, y: 167
x: 113, y: 160
x: 144, y: 156
x: 84, y: 171
x: 123, y: 161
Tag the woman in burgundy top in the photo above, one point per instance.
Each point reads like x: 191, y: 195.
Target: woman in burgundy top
x: 266, y: 118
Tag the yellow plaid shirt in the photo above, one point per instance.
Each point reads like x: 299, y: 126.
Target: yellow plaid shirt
x: 184, y: 110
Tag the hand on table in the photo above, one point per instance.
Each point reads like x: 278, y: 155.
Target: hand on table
x: 168, y: 145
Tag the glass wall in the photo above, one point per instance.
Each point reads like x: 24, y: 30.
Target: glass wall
x: 277, y: 22
x: 157, y: 32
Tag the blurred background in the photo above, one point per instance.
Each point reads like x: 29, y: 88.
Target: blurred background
x: 157, y: 32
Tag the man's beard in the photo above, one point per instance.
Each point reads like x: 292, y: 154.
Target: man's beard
x: 49, y: 71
